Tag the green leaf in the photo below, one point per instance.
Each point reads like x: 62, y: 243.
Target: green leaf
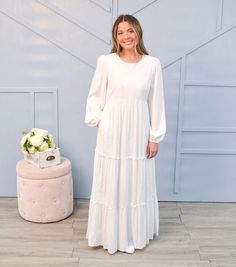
x: 23, y: 132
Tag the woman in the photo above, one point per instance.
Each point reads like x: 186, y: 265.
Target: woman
x: 126, y: 103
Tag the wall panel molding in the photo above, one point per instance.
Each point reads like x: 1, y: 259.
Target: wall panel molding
x: 181, y: 129
x: 209, y: 129
x: 115, y: 8
x: 145, y: 6
x: 179, y: 126
x: 214, y: 83
x: 104, y: 7
x: 208, y: 151
x: 219, y: 15
x: 199, y: 44
x: 74, y: 20
x: 21, y: 21
x: 32, y: 92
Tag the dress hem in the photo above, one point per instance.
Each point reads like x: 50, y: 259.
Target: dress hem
x: 99, y: 244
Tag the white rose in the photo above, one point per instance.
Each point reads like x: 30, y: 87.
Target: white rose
x: 39, y: 132
x: 24, y: 138
x: 24, y: 150
x: 34, y: 130
x: 52, y: 141
x: 36, y: 140
x: 43, y: 147
x: 32, y: 150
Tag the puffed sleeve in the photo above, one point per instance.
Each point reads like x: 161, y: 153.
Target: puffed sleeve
x: 156, y: 106
x: 97, y: 94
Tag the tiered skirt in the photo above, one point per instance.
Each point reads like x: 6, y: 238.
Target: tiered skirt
x: 123, y: 204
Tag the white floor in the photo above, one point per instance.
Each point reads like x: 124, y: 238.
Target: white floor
x: 191, y: 234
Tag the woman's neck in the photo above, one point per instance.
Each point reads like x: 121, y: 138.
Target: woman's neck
x: 131, y: 56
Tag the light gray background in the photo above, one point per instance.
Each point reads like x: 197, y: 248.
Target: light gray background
x: 48, y: 55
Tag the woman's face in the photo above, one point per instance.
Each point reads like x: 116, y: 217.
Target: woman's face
x: 126, y: 37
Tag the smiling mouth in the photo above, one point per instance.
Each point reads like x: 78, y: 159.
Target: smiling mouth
x: 127, y: 43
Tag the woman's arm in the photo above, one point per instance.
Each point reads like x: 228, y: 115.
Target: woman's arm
x: 97, y: 94
x: 156, y: 106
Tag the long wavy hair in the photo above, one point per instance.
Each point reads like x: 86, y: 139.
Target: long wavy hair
x: 134, y: 23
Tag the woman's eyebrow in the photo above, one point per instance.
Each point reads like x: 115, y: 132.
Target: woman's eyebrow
x: 125, y: 30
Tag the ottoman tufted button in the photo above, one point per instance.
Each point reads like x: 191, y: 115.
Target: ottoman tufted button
x: 42, y: 193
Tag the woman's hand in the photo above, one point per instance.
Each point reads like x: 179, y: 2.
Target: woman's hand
x: 152, y: 149
x: 98, y: 124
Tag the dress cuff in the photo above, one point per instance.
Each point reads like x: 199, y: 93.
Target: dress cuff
x: 156, y: 139
x: 93, y: 121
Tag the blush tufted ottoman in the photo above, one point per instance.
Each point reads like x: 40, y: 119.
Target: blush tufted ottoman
x: 44, y: 195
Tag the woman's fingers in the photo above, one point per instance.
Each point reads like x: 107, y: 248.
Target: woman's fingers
x: 148, y: 151
x: 152, y: 149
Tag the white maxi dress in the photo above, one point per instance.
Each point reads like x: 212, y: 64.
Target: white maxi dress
x: 128, y: 100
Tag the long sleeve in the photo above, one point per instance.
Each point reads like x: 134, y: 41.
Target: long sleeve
x: 157, y: 106
x: 97, y: 94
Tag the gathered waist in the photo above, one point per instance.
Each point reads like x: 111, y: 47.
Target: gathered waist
x: 126, y: 101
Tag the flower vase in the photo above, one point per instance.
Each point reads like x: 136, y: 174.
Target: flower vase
x: 44, y: 159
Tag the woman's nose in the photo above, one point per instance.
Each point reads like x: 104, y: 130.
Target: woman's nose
x: 126, y: 35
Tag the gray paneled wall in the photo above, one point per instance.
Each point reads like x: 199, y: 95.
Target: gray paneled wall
x: 48, y: 54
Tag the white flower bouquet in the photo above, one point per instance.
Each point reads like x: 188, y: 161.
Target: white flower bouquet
x: 39, y: 148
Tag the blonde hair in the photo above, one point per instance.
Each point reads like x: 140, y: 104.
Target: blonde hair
x: 140, y: 48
